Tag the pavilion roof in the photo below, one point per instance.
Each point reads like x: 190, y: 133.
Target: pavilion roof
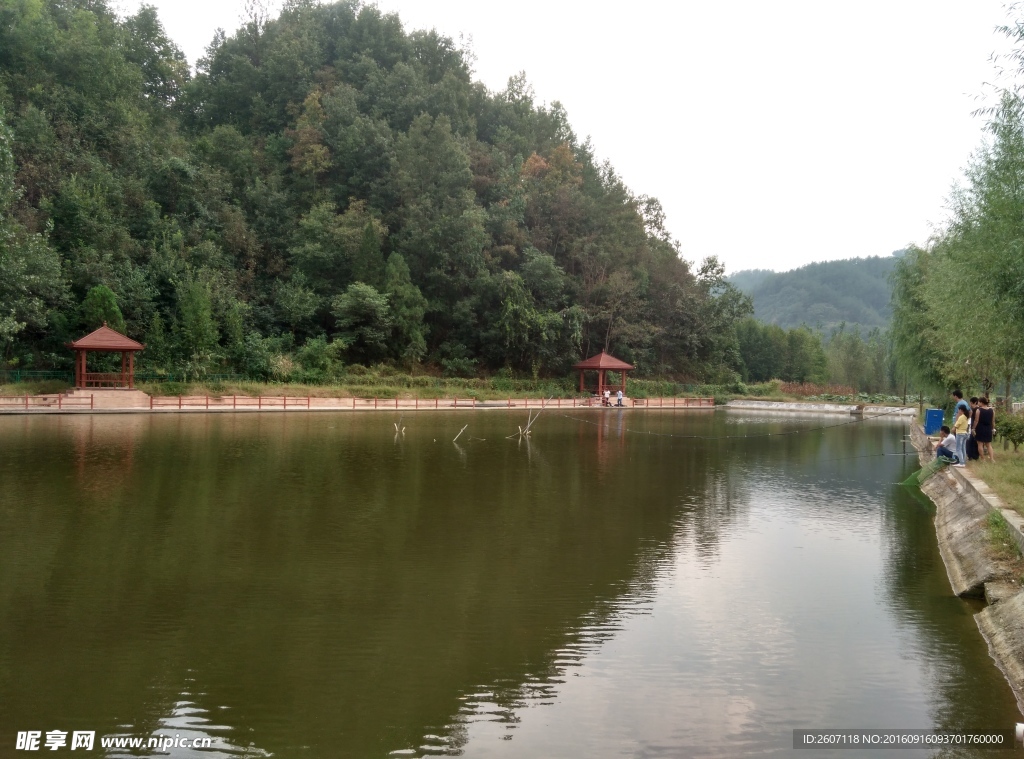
x: 603, y: 361
x: 106, y: 339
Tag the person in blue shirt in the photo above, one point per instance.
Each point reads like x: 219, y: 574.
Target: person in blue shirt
x: 958, y: 397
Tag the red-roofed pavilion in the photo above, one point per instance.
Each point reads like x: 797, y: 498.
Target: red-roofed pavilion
x: 603, y: 363
x: 105, y: 340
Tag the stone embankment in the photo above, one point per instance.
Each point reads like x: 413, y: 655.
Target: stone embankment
x: 963, y: 504
x: 824, y: 408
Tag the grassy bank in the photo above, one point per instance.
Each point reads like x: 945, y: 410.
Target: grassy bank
x: 1005, y: 476
x: 384, y: 383
x: 1001, y: 538
x: 44, y: 387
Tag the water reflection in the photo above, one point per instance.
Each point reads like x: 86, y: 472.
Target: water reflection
x: 316, y: 585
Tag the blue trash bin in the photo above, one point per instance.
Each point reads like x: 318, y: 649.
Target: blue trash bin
x: 932, y: 421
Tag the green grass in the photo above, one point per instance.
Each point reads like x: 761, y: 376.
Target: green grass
x: 1001, y: 538
x: 359, y: 388
x: 1005, y: 476
x: 43, y: 387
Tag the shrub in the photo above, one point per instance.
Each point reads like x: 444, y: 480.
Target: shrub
x: 459, y: 367
x: 1011, y: 427
x: 810, y: 388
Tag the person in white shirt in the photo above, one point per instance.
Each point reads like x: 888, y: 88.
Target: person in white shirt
x: 947, y: 447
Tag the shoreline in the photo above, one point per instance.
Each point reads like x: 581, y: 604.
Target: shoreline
x: 823, y: 408
x: 119, y: 402
x: 140, y: 403
x: 963, y: 504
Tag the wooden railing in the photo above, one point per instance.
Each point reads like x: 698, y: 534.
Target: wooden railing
x: 104, y: 379
x: 59, y: 402
x: 230, y: 401
x: 285, y: 403
x: 674, y: 402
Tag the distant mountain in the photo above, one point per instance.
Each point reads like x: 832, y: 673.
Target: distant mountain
x: 749, y: 279
x: 824, y: 295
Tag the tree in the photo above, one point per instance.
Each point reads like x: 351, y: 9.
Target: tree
x: 764, y: 349
x: 333, y: 250
x: 196, y: 331
x: 100, y: 307
x: 364, y: 322
x: 408, y: 307
x: 805, y: 357
x: 31, y: 279
x: 915, y: 349
x: 440, y: 229
x: 976, y: 263
x: 310, y: 156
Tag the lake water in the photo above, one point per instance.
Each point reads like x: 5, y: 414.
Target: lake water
x: 625, y: 584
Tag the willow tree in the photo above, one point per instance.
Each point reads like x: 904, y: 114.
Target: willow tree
x: 958, y: 307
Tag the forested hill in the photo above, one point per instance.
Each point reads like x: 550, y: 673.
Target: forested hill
x: 855, y: 291
x: 327, y: 189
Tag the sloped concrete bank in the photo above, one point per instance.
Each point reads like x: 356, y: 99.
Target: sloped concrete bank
x: 867, y: 410
x: 962, y: 507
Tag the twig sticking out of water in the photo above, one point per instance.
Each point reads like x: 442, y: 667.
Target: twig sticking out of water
x: 533, y: 418
x: 460, y: 433
x: 524, y: 432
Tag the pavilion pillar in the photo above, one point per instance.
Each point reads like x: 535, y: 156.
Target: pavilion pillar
x: 124, y: 369
x: 131, y: 370
x: 623, y: 381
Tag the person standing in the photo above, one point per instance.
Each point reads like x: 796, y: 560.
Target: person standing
x: 985, y: 428
x: 618, y: 398
x: 960, y: 427
x: 972, y: 443
x: 960, y: 403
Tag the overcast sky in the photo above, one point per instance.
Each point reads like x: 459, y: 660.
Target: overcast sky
x: 774, y: 133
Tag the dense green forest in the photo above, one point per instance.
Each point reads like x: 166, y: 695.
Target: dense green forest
x: 325, y: 190
x: 825, y: 295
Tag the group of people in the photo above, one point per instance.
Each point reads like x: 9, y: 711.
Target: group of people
x: 971, y: 435
x: 606, y: 400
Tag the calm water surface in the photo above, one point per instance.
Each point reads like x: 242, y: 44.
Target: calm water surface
x: 312, y: 585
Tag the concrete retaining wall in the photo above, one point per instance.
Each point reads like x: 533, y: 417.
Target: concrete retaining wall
x: 824, y: 408
x: 1002, y: 624
x: 963, y: 503
x: 961, y: 525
